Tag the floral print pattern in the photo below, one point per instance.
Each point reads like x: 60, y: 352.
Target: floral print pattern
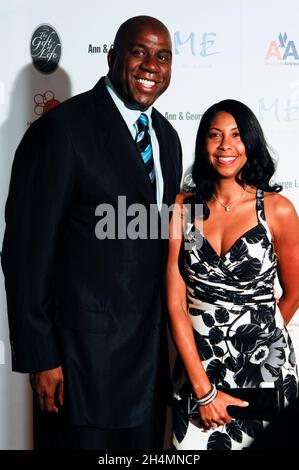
x: 238, y: 330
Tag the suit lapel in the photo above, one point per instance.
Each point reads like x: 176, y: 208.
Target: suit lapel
x: 164, y: 154
x: 119, y: 142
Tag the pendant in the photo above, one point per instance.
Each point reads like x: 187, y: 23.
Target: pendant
x: 227, y: 208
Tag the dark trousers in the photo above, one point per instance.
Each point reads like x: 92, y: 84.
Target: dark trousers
x: 149, y: 436
x: 51, y: 432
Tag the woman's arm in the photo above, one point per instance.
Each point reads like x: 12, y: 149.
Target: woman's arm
x: 181, y: 326
x: 284, y: 225
x: 214, y: 413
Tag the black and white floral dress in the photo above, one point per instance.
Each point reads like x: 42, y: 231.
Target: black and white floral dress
x: 238, y: 329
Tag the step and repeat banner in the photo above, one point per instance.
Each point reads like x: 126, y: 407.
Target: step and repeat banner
x: 51, y: 50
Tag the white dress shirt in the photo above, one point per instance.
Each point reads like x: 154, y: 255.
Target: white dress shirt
x: 130, y: 117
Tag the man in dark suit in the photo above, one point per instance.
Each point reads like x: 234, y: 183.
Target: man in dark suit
x: 87, y: 313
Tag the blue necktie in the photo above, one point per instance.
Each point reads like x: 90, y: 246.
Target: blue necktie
x: 143, y: 142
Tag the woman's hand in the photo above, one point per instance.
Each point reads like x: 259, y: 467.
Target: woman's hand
x: 215, y: 414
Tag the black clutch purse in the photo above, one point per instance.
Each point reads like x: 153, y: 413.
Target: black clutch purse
x: 263, y: 403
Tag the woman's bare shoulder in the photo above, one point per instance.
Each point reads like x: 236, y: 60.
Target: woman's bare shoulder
x: 279, y: 205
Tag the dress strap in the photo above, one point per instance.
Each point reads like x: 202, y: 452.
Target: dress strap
x: 260, y: 205
x: 260, y: 210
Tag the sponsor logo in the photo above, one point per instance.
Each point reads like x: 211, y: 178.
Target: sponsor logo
x: 182, y: 116
x: 98, y: 49
x: 195, y: 49
x: 282, y: 51
x: 281, y: 109
x: 45, y: 49
x: 278, y: 110
x: 44, y: 102
x: 290, y: 184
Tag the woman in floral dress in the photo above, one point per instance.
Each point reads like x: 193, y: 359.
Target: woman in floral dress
x: 227, y: 326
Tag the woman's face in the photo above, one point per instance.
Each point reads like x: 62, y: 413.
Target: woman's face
x: 224, y: 147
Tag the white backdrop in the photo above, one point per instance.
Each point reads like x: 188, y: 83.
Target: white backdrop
x: 242, y: 49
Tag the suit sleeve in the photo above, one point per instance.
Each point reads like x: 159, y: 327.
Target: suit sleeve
x: 41, y: 188
x: 180, y: 166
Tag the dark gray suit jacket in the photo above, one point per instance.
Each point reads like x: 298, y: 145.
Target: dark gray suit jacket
x: 96, y: 307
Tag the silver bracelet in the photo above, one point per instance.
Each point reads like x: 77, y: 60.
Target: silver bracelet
x: 207, y: 398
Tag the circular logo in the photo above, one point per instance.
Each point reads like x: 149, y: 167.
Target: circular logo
x: 45, y: 49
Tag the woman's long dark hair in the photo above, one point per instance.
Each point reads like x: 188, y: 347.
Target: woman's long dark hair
x: 258, y: 169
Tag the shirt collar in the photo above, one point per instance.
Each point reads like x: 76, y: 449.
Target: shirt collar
x: 129, y: 115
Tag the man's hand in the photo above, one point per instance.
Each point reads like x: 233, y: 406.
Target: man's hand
x: 46, y: 384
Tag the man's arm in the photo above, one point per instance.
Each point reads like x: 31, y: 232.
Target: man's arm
x: 40, y: 192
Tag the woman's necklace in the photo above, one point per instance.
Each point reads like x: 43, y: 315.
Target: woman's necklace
x: 228, y: 207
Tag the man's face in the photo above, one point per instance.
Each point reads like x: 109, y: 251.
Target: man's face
x: 140, y: 68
